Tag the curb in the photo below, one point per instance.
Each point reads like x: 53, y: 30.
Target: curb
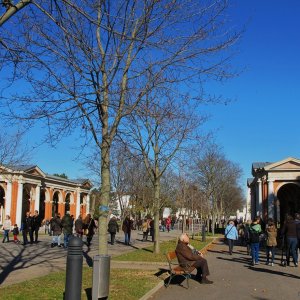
x: 161, y: 284
x: 154, y: 290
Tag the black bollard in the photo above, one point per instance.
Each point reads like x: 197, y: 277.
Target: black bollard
x: 203, y: 233
x: 74, y: 269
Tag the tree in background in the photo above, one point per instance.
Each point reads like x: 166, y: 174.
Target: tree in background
x: 12, y: 151
x: 217, y: 178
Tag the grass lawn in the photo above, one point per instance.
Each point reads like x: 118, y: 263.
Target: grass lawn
x: 124, y: 284
x: 147, y: 255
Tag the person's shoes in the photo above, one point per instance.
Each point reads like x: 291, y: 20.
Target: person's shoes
x: 296, y: 265
x: 206, y: 281
x: 272, y: 264
x: 59, y: 246
x: 52, y: 245
x: 252, y: 263
x: 257, y: 263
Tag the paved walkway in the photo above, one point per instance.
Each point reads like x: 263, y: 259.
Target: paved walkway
x: 19, y: 263
x: 234, y: 278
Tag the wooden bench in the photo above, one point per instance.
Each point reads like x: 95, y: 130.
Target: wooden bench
x: 176, y: 269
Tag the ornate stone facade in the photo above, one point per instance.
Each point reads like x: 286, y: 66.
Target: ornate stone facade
x: 28, y: 188
x: 274, y: 190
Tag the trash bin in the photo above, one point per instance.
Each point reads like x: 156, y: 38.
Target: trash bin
x: 101, y: 273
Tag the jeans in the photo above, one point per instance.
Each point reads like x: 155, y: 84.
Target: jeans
x: 255, y: 252
x: 6, y: 232
x: 66, y: 239
x: 270, y: 249
x: 127, y: 238
x: 292, y: 244
x: 56, y: 239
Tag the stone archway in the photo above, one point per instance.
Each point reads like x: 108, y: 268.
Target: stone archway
x: 26, y: 199
x: 42, y: 203
x: 289, y: 200
x: 2, y: 204
x: 55, y: 202
x: 67, y: 202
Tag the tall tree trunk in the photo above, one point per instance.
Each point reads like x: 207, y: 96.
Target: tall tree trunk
x: 156, y: 214
x: 105, y: 194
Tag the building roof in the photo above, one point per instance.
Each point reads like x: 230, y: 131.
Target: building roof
x: 35, y: 170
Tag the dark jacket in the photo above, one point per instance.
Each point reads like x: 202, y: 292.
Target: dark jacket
x: 127, y: 225
x: 36, y: 222
x: 289, y: 229
x: 67, y: 224
x: 185, y: 254
x: 113, y: 226
x: 55, y: 225
x: 79, y: 225
x: 27, y: 223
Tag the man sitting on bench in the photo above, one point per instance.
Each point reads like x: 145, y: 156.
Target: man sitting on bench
x: 186, y: 254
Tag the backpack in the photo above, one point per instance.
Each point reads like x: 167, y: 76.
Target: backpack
x: 253, y: 236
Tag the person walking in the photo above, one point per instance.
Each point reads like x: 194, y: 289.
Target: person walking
x: 289, y: 231
x: 36, y: 224
x: 231, y: 235
x: 16, y: 233
x: 55, y: 225
x: 89, y: 226
x: 254, y: 232
x: 145, y: 228
x: 67, y: 227
x: 6, y: 228
x: 113, y: 228
x: 79, y: 227
x: 271, y: 242
x: 127, y: 227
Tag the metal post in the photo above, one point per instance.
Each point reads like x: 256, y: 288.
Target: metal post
x: 203, y: 233
x: 101, y: 270
x: 74, y: 269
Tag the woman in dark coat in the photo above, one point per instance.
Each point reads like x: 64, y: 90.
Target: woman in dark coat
x: 113, y: 228
x: 90, y: 225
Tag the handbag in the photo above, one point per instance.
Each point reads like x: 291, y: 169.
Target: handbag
x: 86, y: 231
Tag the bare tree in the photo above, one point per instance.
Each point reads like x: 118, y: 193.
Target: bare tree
x: 216, y: 177
x: 8, y: 9
x: 12, y: 151
x: 159, y: 129
x: 88, y: 63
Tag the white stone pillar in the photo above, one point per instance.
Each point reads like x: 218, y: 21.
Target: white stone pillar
x: 257, y: 194
x: 270, y: 199
x: 88, y: 203
x: 37, y: 198
x: 248, y: 204
x: 19, y: 203
x: 8, y: 196
x: 77, y: 204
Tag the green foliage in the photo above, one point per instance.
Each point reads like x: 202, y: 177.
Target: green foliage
x: 63, y: 175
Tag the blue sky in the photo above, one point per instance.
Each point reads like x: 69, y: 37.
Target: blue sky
x: 261, y: 124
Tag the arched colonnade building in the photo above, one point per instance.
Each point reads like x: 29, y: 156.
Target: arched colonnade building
x: 274, y: 190
x: 28, y: 188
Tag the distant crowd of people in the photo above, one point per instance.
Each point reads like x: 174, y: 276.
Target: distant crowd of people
x: 256, y: 235
x: 56, y: 227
